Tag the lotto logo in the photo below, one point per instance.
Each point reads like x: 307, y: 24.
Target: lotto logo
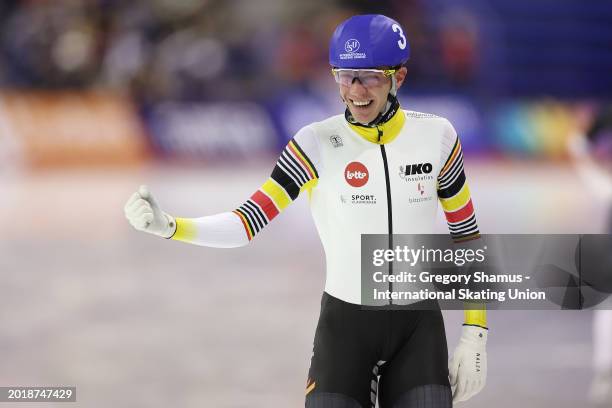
x: 356, y: 174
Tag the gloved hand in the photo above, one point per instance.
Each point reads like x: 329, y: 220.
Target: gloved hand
x: 468, y: 366
x: 144, y: 214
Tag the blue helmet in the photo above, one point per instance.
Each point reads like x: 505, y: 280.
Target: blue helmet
x: 368, y: 41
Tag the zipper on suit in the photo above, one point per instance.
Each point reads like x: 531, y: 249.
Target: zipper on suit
x: 389, y: 206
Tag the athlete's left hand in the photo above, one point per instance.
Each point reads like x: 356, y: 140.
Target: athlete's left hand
x: 468, y: 366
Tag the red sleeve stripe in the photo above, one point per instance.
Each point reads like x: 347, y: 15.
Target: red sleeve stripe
x: 266, y: 204
x: 461, y: 214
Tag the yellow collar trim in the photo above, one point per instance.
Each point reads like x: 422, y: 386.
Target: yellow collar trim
x: 389, y: 129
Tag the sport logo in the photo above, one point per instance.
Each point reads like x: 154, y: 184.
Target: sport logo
x: 356, y: 174
x: 351, y: 45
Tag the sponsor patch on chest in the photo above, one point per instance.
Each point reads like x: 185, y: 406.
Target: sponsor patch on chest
x: 416, y: 172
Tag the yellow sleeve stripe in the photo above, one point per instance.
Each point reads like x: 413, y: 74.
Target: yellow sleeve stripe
x: 310, y: 184
x: 457, y: 201
x: 476, y: 317
x: 278, y: 194
x: 185, y: 230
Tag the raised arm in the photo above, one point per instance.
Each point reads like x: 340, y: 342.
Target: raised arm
x: 295, y: 171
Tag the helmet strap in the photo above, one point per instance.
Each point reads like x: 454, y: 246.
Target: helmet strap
x: 393, y: 90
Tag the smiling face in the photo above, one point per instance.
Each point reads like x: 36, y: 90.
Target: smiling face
x: 366, y: 102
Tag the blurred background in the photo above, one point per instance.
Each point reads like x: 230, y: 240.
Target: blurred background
x: 195, y: 98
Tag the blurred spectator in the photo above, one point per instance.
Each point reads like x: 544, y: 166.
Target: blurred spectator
x: 213, y: 49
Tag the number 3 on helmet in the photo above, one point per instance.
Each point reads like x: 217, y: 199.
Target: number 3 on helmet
x: 368, y: 41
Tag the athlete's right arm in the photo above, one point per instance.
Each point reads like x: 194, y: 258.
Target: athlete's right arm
x: 295, y: 171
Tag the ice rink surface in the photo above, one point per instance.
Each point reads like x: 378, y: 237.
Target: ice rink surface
x: 137, y: 321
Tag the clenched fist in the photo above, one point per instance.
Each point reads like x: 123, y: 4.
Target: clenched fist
x: 144, y: 214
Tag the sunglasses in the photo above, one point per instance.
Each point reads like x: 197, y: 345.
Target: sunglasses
x: 369, y: 78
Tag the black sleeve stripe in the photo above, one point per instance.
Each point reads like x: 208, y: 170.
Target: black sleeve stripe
x: 469, y: 223
x: 286, y: 166
x: 291, y: 162
x: 289, y: 172
x: 465, y: 234
x: 260, y: 216
x: 470, y: 227
x: 455, y: 167
x: 285, y: 182
x: 454, y: 188
x: 257, y: 225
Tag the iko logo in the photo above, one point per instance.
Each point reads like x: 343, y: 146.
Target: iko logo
x: 356, y: 174
x: 336, y: 140
x: 351, y: 45
x: 414, y: 169
x: 416, y: 172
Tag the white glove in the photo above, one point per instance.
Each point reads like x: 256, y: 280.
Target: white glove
x: 144, y: 214
x: 468, y: 366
